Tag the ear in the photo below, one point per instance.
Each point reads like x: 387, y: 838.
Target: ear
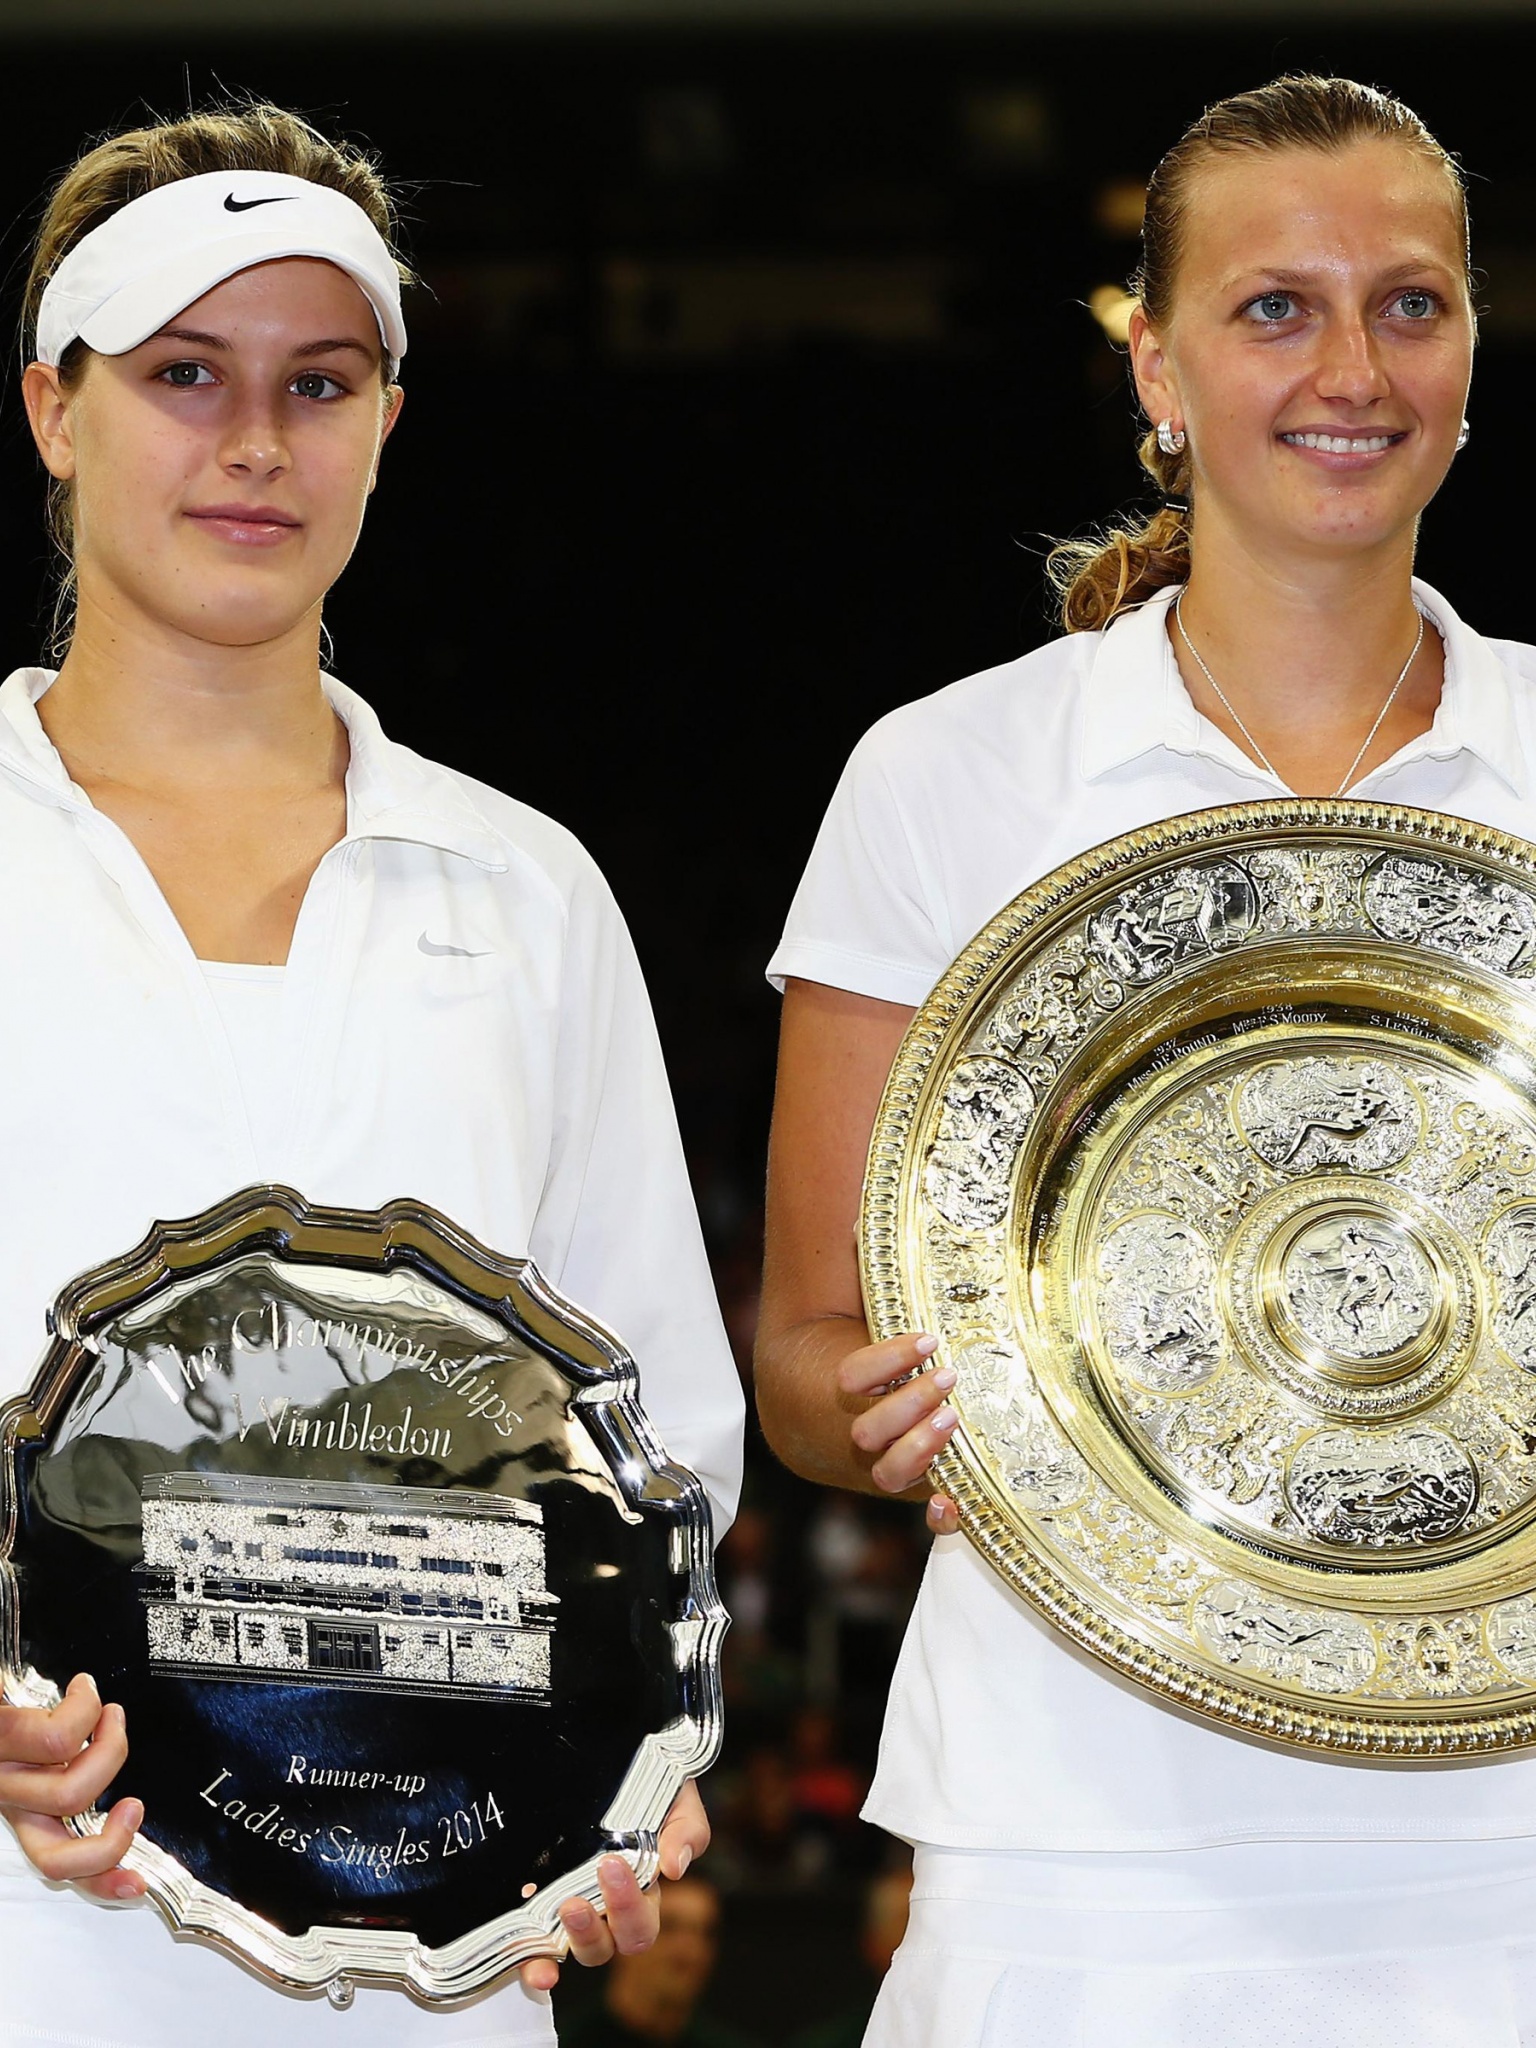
x: 47, y: 404
x: 1156, y: 383
x: 394, y: 400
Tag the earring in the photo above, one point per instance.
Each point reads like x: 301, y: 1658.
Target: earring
x: 1464, y: 436
x: 1170, y: 438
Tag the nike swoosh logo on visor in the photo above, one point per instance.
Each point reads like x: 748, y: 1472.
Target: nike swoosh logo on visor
x: 437, y: 952
x: 234, y: 205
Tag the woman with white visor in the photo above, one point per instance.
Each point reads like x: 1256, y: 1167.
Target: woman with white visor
x: 1093, y: 1868
x: 247, y: 939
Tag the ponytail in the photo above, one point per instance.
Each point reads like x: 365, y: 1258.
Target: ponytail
x: 1107, y: 573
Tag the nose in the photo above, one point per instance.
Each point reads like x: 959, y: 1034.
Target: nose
x: 1350, y: 368
x: 254, y: 442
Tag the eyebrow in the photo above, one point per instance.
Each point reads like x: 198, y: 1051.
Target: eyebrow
x: 1410, y: 268
x: 306, y: 349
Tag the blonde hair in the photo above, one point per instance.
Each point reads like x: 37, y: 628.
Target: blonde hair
x: 240, y: 136
x: 1109, y: 572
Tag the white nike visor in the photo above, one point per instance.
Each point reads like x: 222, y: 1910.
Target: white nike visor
x: 148, y: 261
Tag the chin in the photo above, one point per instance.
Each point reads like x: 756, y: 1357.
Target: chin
x: 226, y: 629
x: 242, y: 617
x: 1350, y: 524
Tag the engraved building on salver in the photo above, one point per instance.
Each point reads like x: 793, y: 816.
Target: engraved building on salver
x: 401, y: 1588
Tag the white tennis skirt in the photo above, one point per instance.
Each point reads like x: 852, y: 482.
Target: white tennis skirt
x: 1262, y: 1945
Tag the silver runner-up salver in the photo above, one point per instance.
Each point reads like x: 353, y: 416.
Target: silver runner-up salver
x: 1212, y: 1163
x: 412, y: 1617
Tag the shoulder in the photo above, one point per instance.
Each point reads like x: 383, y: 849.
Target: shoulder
x: 396, y: 792
x: 532, y: 842
x: 1519, y: 658
x: 1033, y: 694
x: 1005, y: 739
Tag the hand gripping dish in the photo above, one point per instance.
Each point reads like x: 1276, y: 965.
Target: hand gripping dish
x: 411, y: 1615
x: 1212, y: 1162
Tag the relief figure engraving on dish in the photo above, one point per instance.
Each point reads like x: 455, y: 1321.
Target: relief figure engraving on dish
x: 1260, y: 1169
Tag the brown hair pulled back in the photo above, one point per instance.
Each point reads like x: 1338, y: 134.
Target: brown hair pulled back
x: 1110, y: 572
x: 240, y: 136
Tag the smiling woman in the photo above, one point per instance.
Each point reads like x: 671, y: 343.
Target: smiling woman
x: 1302, y: 342
x: 222, y: 879
x: 1091, y: 1866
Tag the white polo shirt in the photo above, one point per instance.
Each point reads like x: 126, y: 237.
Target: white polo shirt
x: 461, y: 1020
x: 998, y: 1734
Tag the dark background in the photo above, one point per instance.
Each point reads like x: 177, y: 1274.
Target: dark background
x: 752, y: 370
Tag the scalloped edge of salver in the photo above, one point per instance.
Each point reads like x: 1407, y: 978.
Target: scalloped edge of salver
x: 1390, y: 1736
x: 332, y: 1960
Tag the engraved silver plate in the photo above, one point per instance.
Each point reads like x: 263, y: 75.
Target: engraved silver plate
x: 412, y: 1616
x: 1212, y: 1163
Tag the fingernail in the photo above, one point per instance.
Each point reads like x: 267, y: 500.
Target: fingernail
x: 926, y: 1346
x: 125, y: 1888
x: 684, y: 1860
x: 95, y: 1688
x: 944, y: 1418
x: 945, y: 1377
x: 580, y: 1919
x: 131, y: 1813
x: 612, y: 1868
x: 935, y: 1511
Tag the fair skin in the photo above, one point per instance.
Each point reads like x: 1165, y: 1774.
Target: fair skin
x: 1317, y: 295
x: 220, y: 472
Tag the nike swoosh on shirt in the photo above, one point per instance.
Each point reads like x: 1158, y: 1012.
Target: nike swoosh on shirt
x: 437, y: 952
x: 234, y: 205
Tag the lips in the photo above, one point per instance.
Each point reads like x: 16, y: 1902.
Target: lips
x: 246, y: 525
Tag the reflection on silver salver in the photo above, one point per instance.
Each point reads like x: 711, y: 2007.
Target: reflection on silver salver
x: 411, y: 1615
x: 401, y: 1587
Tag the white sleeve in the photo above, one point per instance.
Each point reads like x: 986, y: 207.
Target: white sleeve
x: 616, y: 1228
x: 862, y: 917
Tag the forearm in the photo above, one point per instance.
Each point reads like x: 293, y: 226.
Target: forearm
x: 806, y: 1417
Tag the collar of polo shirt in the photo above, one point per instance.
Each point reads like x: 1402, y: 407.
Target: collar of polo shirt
x: 1135, y: 699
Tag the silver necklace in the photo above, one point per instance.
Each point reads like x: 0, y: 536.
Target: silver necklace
x: 1258, y: 752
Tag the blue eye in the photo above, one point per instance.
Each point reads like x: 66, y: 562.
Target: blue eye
x: 1416, y: 304
x: 1273, y: 307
